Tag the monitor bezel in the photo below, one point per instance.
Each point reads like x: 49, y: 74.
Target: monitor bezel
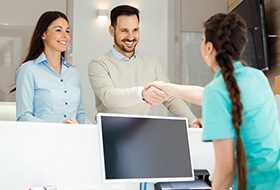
x: 140, y: 180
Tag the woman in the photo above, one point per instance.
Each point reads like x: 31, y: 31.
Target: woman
x: 47, y: 87
x: 239, y: 113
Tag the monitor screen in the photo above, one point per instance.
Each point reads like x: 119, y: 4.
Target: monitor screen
x: 138, y: 148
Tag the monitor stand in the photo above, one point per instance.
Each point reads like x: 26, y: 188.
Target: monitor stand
x: 143, y: 186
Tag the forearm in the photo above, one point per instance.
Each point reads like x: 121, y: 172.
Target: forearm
x: 81, y: 116
x: 221, y: 179
x: 179, y: 108
x: 83, y: 119
x: 117, y: 98
x: 190, y: 93
x: 225, y: 164
x: 28, y: 117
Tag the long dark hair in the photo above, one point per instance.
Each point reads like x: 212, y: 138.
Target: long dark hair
x: 36, y: 46
x: 228, y: 34
x: 122, y: 10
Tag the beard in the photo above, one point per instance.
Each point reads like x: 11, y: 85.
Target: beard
x: 121, y: 45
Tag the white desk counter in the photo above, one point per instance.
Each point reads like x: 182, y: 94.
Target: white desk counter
x: 67, y: 156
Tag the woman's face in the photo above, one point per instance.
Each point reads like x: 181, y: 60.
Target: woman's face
x: 203, y: 49
x: 57, y: 36
x: 208, y: 53
x: 202, y: 46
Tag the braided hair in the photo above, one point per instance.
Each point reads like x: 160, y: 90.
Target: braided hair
x: 228, y: 34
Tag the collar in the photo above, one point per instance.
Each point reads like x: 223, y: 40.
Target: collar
x: 120, y: 56
x: 43, y: 59
x: 236, y: 64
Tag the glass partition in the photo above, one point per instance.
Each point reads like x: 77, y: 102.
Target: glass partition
x: 194, y: 69
x: 14, y: 42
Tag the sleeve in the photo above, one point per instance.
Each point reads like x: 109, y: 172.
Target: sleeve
x: 25, y: 95
x: 216, y: 115
x: 81, y: 116
x: 104, y: 89
x: 176, y: 106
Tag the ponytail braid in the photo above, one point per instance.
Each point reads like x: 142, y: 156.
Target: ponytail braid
x: 230, y: 41
x: 224, y: 59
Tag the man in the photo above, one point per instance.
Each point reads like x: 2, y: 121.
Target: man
x: 119, y: 76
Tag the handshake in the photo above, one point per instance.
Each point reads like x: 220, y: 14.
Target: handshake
x: 157, y: 92
x: 154, y: 93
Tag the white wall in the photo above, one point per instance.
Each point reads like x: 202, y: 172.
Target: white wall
x: 91, y: 37
x: 17, y: 22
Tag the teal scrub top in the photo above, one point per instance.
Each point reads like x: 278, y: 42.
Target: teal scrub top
x: 260, y: 129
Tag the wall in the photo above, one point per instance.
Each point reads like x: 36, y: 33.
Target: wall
x: 233, y: 3
x: 17, y: 22
x: 91, y: 37
x: 186, y: 65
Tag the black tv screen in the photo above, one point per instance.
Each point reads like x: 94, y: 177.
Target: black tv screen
x: 144, y: 148
x: 256, y: 51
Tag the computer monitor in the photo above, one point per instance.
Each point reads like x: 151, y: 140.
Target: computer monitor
x: 138, y: 148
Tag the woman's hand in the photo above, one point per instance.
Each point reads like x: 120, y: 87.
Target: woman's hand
x: 71, y: 120
x: 158, y: 84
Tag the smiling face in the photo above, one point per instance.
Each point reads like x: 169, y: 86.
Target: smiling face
x: 126, y: 34
x: 56, y: 37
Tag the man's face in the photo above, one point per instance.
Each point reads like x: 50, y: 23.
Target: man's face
x: 126, y: 34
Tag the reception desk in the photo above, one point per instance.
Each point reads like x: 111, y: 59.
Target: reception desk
x: 66, y: 156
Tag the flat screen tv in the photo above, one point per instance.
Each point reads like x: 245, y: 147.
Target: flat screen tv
x: 256, y: 52
x: 138, y: 148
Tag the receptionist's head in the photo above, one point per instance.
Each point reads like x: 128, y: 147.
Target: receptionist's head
x: 224, y: 39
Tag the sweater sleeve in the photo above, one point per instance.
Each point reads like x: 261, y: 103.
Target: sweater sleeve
x: 178, y: 107
x: 104, y: 89
x: 175, y: 106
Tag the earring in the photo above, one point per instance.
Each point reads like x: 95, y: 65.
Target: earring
x: 207, y: 56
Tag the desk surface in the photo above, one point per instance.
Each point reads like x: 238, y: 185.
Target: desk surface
x: 37, y: 154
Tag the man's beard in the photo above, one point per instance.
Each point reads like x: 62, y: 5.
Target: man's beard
x: 123, y: 48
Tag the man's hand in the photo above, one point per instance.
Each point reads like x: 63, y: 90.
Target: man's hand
x: 153, y: 95
x: 197, y: 124
x: 157, y: 84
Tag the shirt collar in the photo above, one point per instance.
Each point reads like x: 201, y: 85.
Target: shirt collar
x: 236, y: 64
x: 120, y: 56
x: 64, y: 62
x: 43, y: 59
